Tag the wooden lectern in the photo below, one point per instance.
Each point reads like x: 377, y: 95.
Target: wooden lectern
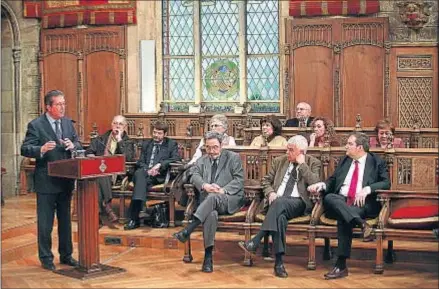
x: 85, y: 171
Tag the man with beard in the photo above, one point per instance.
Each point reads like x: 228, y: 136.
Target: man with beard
x: 156, y: 156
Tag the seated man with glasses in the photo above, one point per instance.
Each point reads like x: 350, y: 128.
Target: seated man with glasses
x: 114, y: 141
x: 218, y: 123
x: 303, y: 116
x: 218, y: 176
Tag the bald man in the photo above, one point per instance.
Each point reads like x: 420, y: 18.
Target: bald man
x: 303, y: 112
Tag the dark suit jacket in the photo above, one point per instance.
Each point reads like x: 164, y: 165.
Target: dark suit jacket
x: 168, y: 153
x: 375, y: 175
x: 309, y: 173
x: 229, y: 176
x: 294, y: 122
x: 39, y: 131
x: 125, y: 146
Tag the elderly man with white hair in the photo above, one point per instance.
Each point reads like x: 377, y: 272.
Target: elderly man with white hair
x: 285, y: 188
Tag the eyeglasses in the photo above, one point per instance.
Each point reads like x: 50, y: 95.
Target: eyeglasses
x: 215, y: 125
x: 301, y: 108
x: 215, y: 147
x: 59, y: 104
x: 118, y: 123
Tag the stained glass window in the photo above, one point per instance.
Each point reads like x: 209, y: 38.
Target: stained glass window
x: 218, y: 38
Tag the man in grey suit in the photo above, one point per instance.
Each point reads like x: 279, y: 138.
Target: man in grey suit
x: 219, y: 177
x: 285, y: 188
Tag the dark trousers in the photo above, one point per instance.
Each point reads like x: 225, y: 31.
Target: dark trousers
x: 142, y: 183
x: 276, y: 220
x: 336, y: 207
x: 208, y: 211
x: 47, y: 205
x: 105, y: 193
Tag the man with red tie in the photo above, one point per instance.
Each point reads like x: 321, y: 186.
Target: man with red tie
x: 350, y: 197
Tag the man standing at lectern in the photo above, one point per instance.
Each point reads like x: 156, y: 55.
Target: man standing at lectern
x: 52, y: 137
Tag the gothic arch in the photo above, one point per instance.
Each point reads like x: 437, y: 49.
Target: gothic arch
x: 9, y: 13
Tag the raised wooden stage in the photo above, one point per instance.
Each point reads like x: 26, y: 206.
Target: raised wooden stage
x: 153, y: 258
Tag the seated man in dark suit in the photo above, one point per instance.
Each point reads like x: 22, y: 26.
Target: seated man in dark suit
x: 156, y: 156
x: 303, y: 116
x: 219, y: 177
x: 349, y: 195
x: 285, y: 190
x: 385, y: 132
x: 114, y: 141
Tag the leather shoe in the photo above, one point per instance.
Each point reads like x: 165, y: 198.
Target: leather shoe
x: 207, y: 265
x: 249, y: 246
x: 279, y: 271
x: 48, y: 266
x: 367, y: 232
x: 69, y: 261
x: 336, y: 272
x: 131, y: 225
x: 182, y: 236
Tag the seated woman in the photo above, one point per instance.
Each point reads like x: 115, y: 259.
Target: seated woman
x: 271, y: 129
x: 385, y: 132
x: 323, y: 127
x: 218, y: 123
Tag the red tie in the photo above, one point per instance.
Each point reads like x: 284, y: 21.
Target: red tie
x: 353, y: 185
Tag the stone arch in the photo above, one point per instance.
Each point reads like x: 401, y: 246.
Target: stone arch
x: 13, y: 173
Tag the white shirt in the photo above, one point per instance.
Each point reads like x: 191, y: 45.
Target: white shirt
x: 281, y: 189
x: 347, y: 182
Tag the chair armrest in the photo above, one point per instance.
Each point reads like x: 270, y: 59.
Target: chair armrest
x: 316, y: 213
x: 401, y: 194
x: 191, y: 205
x: 254, y: 194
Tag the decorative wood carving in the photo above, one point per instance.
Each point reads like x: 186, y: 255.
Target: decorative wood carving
x: 415, y: 95
x: 414, y: 62
x: 404, y: 171
x: 311, y: 35
x: 371, y: 33
x: 414, y: 14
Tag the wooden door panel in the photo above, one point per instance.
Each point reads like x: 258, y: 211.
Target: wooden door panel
x: 362, y: 84
x: 61, y: 72
x: 313, y: 79
x: 102, y: 91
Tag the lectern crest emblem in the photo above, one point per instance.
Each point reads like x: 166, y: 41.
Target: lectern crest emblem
x: 103, y: 166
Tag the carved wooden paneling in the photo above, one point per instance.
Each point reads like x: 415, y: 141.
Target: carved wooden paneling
x: 88, y: 65
x: 340, y: 66
x: 414, y: 86
x: 415, y: 101
x: 414, y: 62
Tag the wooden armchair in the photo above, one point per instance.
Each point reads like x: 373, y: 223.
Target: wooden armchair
x: 322, y: 226
x: 239, y: 222
x: 162, y: 192
x: 408, y: 228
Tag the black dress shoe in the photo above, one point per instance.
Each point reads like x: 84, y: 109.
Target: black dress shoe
x: 336, y: 273
x: 48, y: 266
x: 69, y: 261
x: 367, y: 232
x: 182, y: 235
x: 279, y: 271
x: 207, y: 265
x: 249, y: 246
x: 131, y: 225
